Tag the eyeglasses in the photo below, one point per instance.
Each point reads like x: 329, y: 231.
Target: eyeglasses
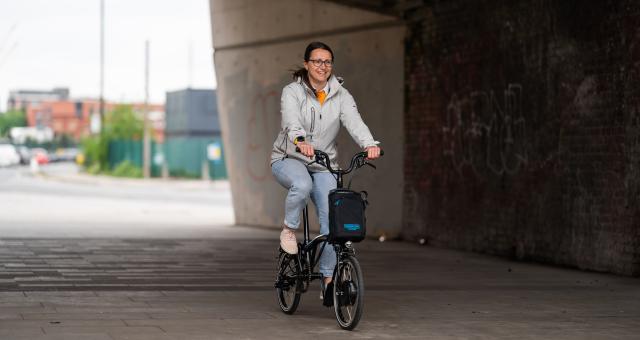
x: 320, y: 62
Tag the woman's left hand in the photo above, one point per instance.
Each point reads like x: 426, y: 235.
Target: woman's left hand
x: 373, y: 152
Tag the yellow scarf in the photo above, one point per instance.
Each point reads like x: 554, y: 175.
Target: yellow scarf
x: 321, y: 95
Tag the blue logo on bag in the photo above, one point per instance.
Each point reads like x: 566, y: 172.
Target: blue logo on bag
x: 337, y: 202
x: 352, y: 227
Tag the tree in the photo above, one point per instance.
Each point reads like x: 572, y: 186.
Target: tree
x: 10, y: 119
x: 121, y: 123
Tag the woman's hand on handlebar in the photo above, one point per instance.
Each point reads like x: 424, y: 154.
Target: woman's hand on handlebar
x: 373, y: 152
x: 305, y: 149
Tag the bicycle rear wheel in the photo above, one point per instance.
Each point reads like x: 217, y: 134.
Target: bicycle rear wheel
x: 348, y: 292
x: 288, y: 282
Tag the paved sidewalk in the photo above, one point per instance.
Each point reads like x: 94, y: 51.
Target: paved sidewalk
x: 62, y: 173
x: 222, y: 289
x: 93, y: 258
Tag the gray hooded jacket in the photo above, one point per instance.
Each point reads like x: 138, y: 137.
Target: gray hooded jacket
x: 302, y: 115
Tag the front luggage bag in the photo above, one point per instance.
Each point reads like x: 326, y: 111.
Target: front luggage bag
x: 347, y: 221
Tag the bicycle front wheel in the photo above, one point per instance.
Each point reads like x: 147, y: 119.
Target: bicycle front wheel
x: 348, y: 292
x: 288, y: 282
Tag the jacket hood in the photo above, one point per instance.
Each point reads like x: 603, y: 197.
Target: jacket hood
x: 335, y: 83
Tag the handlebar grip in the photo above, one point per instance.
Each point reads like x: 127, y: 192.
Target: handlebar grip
x: 297, y: 149
x: 381, y: 152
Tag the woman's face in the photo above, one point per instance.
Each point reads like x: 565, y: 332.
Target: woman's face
x: 319, y: 74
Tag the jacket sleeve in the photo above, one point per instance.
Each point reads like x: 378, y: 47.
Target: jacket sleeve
x: 350, y: 118
x: 290, y: 110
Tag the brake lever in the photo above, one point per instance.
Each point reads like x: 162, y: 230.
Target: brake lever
x: 371, y: 165
x: 318, y: 160
x: 361, y: 162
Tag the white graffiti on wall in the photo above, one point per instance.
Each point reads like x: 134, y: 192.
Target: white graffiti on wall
x: 486, y: 133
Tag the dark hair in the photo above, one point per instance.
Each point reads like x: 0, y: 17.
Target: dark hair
x: 302, y: 72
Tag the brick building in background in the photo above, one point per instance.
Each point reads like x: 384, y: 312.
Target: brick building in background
x: 73, y: 118
x: 20, y: 99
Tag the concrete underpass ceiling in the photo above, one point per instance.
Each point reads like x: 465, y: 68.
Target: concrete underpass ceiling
x: 396, y: 8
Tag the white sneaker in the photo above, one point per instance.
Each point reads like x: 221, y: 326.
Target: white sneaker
x: 288, y: 241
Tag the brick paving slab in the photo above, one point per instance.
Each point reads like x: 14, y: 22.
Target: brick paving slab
x: 60, y: 337
x: 136, y: 264
x: 102, y: 330
x: 85, y: 316
x: 215, y: 289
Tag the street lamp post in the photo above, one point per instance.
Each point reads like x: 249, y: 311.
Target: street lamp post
x: 146, y: 151
x: 101, y: 65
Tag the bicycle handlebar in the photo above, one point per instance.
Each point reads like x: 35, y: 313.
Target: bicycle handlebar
x: 357, y: 161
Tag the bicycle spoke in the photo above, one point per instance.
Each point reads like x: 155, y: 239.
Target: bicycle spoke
x: 348, y: 301
x: 287, y: 291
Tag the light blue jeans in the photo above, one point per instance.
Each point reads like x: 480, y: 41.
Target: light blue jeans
x: 302, y: 184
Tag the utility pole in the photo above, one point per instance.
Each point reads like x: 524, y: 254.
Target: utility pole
x: 4, y: 43
x: 101, y: 65
x: 146, y: 150
x: 5, y: 57
x: 190, y: 65
x: 7, y: 36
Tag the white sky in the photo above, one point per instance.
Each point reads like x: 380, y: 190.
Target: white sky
x: 56, y: 43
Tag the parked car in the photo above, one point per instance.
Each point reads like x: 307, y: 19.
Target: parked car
x: 66, y: 155
x: 40, y: 155
x: 8, y: 155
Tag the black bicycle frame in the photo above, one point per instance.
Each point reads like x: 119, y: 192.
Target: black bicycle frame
x: 309, y: 247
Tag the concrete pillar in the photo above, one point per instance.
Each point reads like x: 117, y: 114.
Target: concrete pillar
x: 257, y: 44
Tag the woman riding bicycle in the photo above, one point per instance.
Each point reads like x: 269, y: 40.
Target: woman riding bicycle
x: 313, y: 107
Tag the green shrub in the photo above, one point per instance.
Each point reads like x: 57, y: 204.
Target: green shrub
x: 94, y: 169
x: 11, y: 119
x: 121, y: 123
x: 96, y: 152
x: 182, y: 173
x: 127, y: 169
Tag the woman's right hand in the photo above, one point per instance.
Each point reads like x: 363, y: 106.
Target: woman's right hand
x: 305, y: 149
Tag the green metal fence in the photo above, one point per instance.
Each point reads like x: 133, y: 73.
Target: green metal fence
x: 189, y: 156
x: 183, y: 156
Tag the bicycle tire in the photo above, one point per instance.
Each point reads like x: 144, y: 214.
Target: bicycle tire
x: 288, y: 282
x: 348, y: 293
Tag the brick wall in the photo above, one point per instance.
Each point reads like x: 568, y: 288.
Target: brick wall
x: 523, y: 130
